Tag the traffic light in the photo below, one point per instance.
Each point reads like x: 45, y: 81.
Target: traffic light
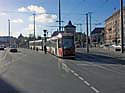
x: 44, y: 35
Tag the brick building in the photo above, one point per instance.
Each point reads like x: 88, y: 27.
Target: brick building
x: 112, y: 29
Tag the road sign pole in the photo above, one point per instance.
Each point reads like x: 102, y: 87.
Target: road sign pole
x: 122, y: 29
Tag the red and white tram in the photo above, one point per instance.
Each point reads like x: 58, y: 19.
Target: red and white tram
x: 61, y: 45
x: 38, y: 44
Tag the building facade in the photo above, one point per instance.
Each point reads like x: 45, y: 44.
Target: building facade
x: 80, y: 39
x: 69, y: 28
x: 4, y: 40
x: 22, y: 41
x: 113, y: 29
x: 97, y: 36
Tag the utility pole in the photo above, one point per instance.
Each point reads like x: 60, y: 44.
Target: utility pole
x: 87, y: 39
x: 9, y: 31
x: 59, y: 15
x: 59, y: 20
x: 34, y: 15
x: 90, y: 14
x: 122, y: 29
x: 81, y: 36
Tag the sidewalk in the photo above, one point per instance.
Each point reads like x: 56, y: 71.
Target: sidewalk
x: 1, y: 54
x: 5, y: 59
x: 104, y: 52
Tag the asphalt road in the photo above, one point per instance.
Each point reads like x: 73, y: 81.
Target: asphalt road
x: 34, y: 72
x: 1, y: 53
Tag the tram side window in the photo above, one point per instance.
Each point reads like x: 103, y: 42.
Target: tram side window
x: 59, y: 43
x: 54, y: 43
x: 36, y: 44
x: 48, y: 43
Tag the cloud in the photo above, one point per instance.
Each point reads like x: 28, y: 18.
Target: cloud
x: 30, y: 28
x: 3, y: 14
x: 22, y: 9
x: 44, y: 18
x: 18, y: 21
x: 37, y: 9
x: 41, y: 15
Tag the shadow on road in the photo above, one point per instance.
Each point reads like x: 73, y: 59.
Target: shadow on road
x: 96, y: 58
x: 5, y: 87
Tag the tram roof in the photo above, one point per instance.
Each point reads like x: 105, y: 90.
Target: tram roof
x: 60, y: 35
x: 36, y: 41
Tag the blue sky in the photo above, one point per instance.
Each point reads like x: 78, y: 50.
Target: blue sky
x: 20, y: 14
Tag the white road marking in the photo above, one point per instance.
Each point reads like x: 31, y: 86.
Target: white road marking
x: 76, y: 74
x: 84, y: 81
x: 72, y: 71
x: 81, y: 78
x: 87, y: 83
x: 94, y: 89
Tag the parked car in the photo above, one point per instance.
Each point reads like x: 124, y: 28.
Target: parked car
x: 1, y: 48
x: 106, y: 46
x: 117, y: 47
x: 13, y: 48
x: 101, y: 46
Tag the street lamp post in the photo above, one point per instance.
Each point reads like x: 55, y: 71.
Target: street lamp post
x: 9, y: 31
x: 59, y: 15
x: 34, y: 30
x: 90, y: 22
x: 45, y: 32
x: 122, y: 29
x: 87, y: 38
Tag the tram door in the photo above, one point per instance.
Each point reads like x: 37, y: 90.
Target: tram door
x: 59, y: 48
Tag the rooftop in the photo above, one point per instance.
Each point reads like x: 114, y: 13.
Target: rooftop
x: 70, y: 25
x: 115, y: 13
x: 97, y: 30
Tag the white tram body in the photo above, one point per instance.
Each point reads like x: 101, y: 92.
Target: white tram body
x: 38, y: 44
x: 61, y: 45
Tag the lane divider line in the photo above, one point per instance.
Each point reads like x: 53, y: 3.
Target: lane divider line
x: 72, y: 71
x: 93, y: 88
x: 76, y: 74
x: 87, y: 83
x: 83, y: 80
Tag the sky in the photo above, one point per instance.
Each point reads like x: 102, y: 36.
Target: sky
x: 20, y: 14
